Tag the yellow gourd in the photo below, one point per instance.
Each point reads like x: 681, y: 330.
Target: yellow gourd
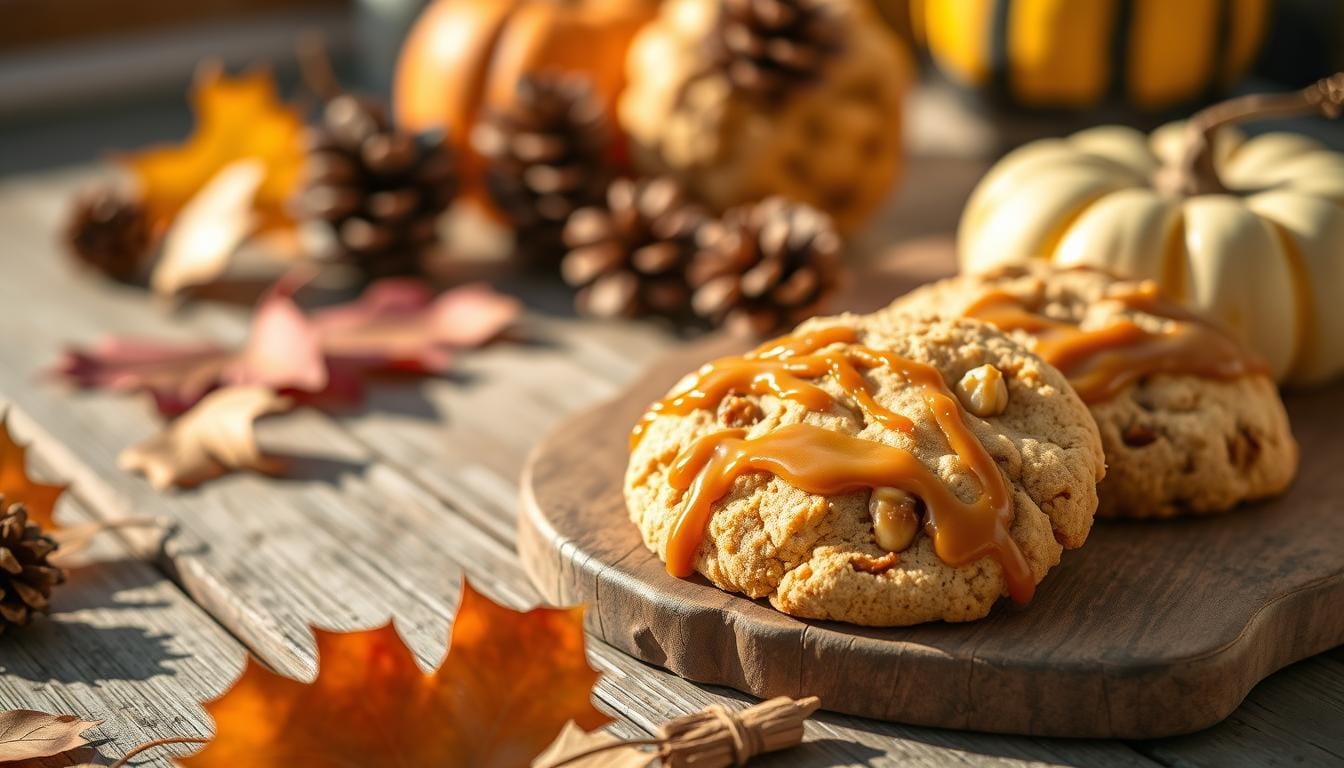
x: 1249, y: 231
x: 1147, y: 54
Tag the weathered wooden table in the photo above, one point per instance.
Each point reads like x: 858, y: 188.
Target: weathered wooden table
x: 390, y: 507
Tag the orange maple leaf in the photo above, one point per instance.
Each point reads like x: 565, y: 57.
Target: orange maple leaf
x: 506, y: 688
x: 236, y: 118
x: 17, y: 487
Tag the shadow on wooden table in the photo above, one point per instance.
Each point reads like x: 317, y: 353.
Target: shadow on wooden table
x: 81, y: 609
x: 821, y: 752
x: 86, y: 581
x: 84, y: 659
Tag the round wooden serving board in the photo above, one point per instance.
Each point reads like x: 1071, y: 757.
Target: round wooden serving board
x: 1151, y: 629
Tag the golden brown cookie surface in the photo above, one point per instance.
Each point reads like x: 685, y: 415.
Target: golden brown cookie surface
x: 1185, y: 440
x: 835, y: 144
x: 818, y: 555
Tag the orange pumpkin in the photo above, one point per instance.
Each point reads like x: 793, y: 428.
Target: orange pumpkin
x: 463, y: 56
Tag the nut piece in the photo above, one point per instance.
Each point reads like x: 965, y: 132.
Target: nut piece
x: 983, y: 392
x: 895, y: 518
x: 737, y: 411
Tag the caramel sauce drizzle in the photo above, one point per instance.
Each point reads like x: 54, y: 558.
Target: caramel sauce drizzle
x: 1101, y: 362
x: 822, y: 461
x: 781, y: 368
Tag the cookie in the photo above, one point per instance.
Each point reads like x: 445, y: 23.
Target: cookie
x: 1191, y: 423
x: 834, y: 144
x: 837, y: 472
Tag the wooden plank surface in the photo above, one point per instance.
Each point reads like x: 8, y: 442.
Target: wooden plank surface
x: 396, y: 501
x: 123, y: 645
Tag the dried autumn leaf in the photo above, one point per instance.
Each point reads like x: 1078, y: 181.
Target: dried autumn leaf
x: 714, y: 737
x: 395, y: 326
x: 211, y: 439
x: 28, y: 735
x: 236, y: 118
x: 283, y: 352
x: 509, y: 683
x: 16, y: 487
x: 209, y: 229
x: 400, y: 325
x: 573, y: 741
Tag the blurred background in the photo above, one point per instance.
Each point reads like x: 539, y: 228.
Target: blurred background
x: 79, y: 78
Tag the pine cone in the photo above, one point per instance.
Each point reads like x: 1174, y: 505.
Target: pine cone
x: 765, y: 267
x: 768, y: 47
x: 548, y: 157
x: 629, y: 257
x: 109, y: 231
x: 26, y: 578
x: 380, y: 190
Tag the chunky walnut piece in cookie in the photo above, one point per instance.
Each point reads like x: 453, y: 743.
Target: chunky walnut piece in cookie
x: 983, y: 392
x: 737, y: 412
x: 895, y: 518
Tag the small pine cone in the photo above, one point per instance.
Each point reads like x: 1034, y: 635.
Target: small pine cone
x: 26, y: 577
x: 378, y: 189
x: 109, y: 231
x: 768, y: 47
x: 765, y: 267
x: 548, y: 157
x: 628, y: 258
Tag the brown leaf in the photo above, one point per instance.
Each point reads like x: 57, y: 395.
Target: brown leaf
x: 209, y: 229
x: 17, y: 488
x: 27, y: 735
x: 211, y: 439
x: 509, y: 683
x: 574, y: 741
x: 236, y: 118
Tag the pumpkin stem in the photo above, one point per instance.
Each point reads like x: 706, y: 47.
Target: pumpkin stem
x: 1196, y: 173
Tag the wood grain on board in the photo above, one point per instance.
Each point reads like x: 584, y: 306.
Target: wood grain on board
x: 1151, y: 629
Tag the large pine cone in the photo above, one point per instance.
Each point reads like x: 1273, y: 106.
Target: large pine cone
x: 765, y: 267
x: 548, y: 157
x: 628, y: 258
x: 380, y: 190
x: 26, y: 578
x: 768, y: 47
x: 109, y: 231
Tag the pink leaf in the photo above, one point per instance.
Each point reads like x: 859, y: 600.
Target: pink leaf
x: 177, y: 374
x: 396, y: 325
x: 284, y: 349
x: 471, y: 315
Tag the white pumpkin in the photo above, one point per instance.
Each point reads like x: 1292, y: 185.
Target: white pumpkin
x: 1264, y: 254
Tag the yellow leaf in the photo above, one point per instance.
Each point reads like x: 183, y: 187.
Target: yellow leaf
x: 17, y: 488
x: 236, y: 118
x: 511, y: 680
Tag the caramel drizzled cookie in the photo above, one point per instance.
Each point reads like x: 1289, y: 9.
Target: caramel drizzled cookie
x: 880, y: 471
x: 1190, y: 420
